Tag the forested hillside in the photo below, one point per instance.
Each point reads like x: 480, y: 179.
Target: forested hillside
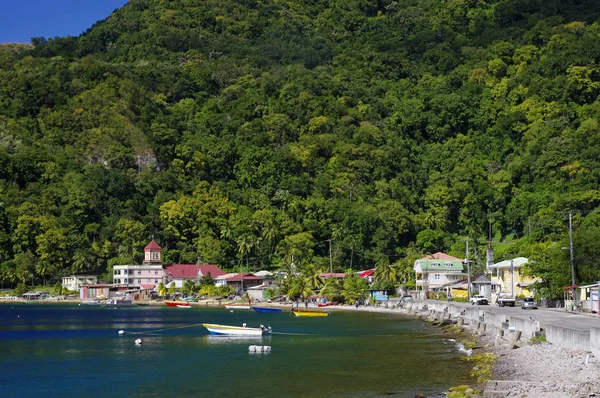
x: 245, y: 132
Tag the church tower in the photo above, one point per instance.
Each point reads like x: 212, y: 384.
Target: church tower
x: 153, y: 254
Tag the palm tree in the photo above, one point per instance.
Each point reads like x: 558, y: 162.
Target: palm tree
x: 246, y: 243
x: 315, y: 281
x: 299, y: 287
x: 354, y: 288
x: 384, y: 271
x: 332, y: 289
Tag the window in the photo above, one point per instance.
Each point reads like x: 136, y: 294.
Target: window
x: 139, y: 272
x: 156, y: 256
x: 156, y: 281
x: 155, y: 272
x: 448, y: 264
x: 139, y: 281
x: 435, y: 264
x: 436, y: 276
x: 147, y: 255
x: 117, y: 272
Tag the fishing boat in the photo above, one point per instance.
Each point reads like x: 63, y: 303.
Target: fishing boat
x: 309, y: 313
x: 177, y: 303
x: 183, y: 306
x: 91, y: 303
x: 118, y: 303
x: 237, y: 307
x: 266, y: 309
x: 224, y: 330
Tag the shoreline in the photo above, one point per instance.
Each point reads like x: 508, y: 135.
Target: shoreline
x: 520, y: 369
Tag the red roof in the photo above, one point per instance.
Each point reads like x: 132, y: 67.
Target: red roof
x: 147, y: 286
x: 441, y: 256
x: 245, y: 276
x: 152, y: 246
x: 191, y: 271
x: 211, y: 269
x: 367, y: 272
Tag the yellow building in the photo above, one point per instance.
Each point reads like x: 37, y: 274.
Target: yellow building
x: 507, y: 277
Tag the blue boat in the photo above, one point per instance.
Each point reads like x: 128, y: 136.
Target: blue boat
x: 266, y: 309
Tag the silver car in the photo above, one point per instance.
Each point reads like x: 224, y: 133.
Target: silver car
x: 528, y: 302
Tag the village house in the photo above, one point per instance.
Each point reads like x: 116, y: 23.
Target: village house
x: 74, y: 282
x: 508, y: 277
x: 435, y: 271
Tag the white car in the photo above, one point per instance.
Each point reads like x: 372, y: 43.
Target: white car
x: 479, y: 299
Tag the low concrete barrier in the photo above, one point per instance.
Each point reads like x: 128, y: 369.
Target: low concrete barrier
x: 595, y: 342
x: 496, y: 320
x: 526, y: 326
x: 568, y: 338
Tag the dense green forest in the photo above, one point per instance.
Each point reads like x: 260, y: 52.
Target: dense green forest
x: 330, y: 134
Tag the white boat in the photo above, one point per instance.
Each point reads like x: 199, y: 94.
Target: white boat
x: 237, y: 307
x: 184, y: 306
x: 91, y: 303
x: 225, y: 330
x: 118, y: 303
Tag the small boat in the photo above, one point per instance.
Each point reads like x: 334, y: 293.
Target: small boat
x: 176, y: 303
x: 327, y: 304
x: 225, y: 330
x: 237, y: 307
x: 118, y: 303
x: 309, y: 313
x: 183, y: 306
x: 91, y: 303
x: 266, y: 309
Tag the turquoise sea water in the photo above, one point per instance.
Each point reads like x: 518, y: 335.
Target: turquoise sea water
x: 73, y: 351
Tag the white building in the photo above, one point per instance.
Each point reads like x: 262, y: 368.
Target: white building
x: 74, y: 282
x: 149, y: 273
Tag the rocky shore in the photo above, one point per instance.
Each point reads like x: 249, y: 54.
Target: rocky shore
x: 523, y: 369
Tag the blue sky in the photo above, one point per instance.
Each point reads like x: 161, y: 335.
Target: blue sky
x: 20, y: 20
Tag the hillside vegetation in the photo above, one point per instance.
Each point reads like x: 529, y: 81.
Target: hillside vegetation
x: 256, y: 134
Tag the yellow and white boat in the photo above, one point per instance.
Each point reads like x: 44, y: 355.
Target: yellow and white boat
x: 309, y: 313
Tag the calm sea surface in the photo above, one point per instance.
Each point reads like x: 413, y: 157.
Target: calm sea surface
x: 71, y: 351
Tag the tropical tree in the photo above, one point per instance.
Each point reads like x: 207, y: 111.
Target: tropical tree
x: 332, y: 289
x: 354, y: 288
x: 188, y: 287
x: 386, y: 272
x: 162, y: 290
x: 312, y: 274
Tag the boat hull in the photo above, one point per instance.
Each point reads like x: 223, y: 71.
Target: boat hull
x: 237, y: 307
x: 224, y: 330
x: 176, y: 303
x: 91, y: 303
x: 266, y: 309
x: 310, y: 313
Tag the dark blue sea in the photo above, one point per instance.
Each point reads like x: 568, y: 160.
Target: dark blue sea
x: 61, y: 350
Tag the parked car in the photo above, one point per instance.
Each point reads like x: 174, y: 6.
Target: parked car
x: 479, y: 299
x: 528, y: 302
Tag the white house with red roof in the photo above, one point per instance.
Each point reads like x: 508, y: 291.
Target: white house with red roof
x: 434, y: 271
x: 151, y: 272
x: 239, y: 281
x: 179, y: 273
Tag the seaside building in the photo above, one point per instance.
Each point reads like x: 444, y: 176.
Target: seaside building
x: 152, y: 271
x: 177, y: 274
x: 74, y: 282
x: 435, y: 271
x: 508, y: 277
x: 241, y: 282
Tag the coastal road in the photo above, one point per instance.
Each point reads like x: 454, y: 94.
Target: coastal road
x: 547, y: 316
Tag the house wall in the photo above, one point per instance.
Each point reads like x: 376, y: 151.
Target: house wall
x: 74, y: 282
x: 138, y: 274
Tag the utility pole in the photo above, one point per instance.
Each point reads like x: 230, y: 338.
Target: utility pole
x: 571, y: 251
x: 468, y: 270
x: 512, y: 279
x: 330, y: 259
